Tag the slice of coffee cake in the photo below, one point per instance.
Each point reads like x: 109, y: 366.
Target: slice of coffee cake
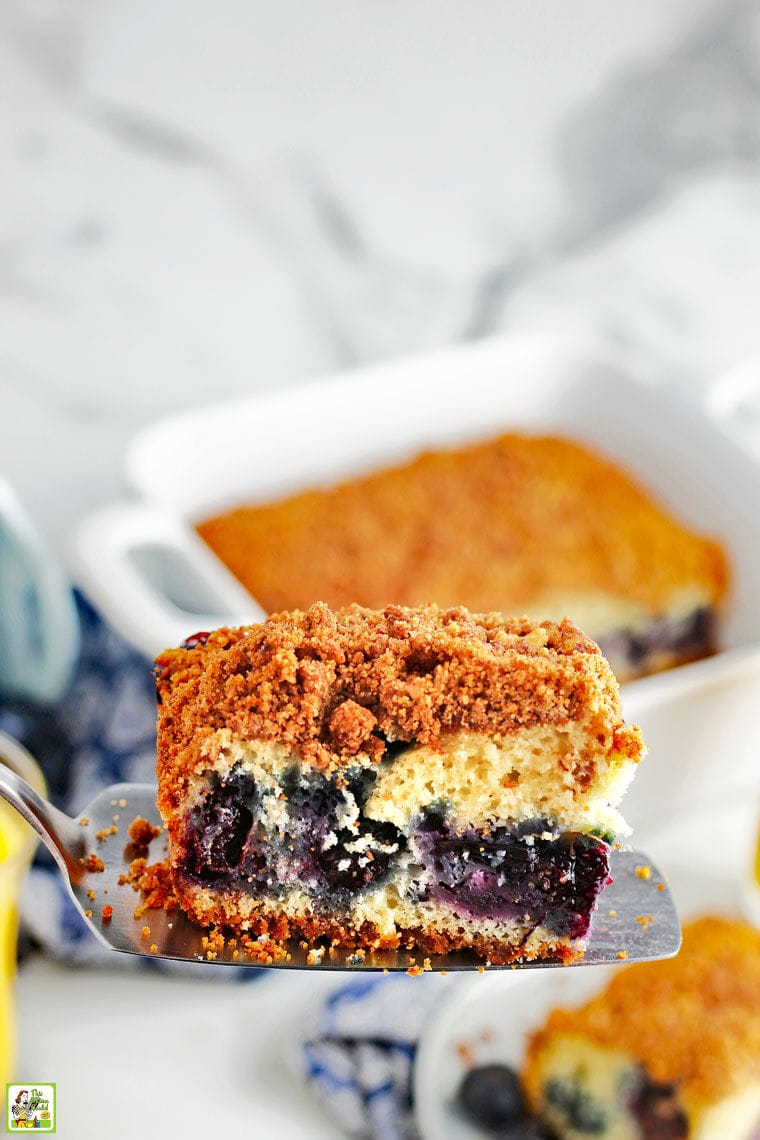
x: 669, y: 1051
x: 419, y: 777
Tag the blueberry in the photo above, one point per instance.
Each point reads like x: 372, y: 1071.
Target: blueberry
x: 220, y: 825
x: 347, y: 870
x: 195, y: 640
x: 221, y: 833
x: 582, y: 1112
x: 656, y: 1109
x: 554, y: 881
x: 492, y: 1095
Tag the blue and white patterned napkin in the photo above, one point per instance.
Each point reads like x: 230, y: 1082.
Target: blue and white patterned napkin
x: 101, y: 731
x: 359, y: 1055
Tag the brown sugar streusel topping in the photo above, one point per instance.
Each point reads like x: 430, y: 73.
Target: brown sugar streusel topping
x: 525, y: 516
x: 332, y: 684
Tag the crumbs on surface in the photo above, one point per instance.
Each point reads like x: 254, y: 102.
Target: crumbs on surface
x: 414, y: 970
x: 154, y: 883
x: 106, y: 913
x: 93, y: 863
x: 644, y: 872
x: 142, y: 832
x: 105, y: 832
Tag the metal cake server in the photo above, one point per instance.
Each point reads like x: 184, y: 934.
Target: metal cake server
x: 635, y: 921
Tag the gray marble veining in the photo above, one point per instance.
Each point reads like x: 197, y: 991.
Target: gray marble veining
x: 177, y: 233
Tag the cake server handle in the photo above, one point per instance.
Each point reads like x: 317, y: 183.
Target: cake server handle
x: 154, y: 579
x: 62, y: 835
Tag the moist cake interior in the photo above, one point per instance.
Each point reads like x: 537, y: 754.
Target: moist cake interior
x: 307, y: 841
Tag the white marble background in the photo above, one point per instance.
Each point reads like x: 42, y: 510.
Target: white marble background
x: 198, y: 200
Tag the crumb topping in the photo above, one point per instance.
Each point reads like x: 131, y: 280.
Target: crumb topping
x: 525, y: 516
x: 333, y: 684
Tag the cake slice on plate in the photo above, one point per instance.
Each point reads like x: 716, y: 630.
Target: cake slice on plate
x: 669, y: 1051
x: 415, y: 777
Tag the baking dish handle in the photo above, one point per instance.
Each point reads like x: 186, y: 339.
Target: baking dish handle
x: 733, y: 402
x: 153, y: 578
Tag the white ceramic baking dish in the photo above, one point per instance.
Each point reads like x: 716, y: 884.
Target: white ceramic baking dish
x: 154, y: 579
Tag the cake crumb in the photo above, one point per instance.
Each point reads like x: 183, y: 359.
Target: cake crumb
x: 613, y: 914
x: 644, y: 872
x: 106, y: 913
x: 122, y: 803
x: 104, y: 833
x: 145, y: 933
x: 84, y: 821
x: 645, y: 920
x: 315, y: 956
x: 141, y: 832
x: 88, y: 913
x: 153, y: 881
x: 92, y: 863
x: 622, y: 955
x: 91, y: 895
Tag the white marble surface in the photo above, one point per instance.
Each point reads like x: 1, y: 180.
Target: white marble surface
x: 202, y: 200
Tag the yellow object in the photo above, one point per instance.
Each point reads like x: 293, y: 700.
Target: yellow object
x: 17, y: 845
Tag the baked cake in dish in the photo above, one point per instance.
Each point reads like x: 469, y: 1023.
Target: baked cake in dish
x: 669, y: 1051
x: 518, y: 524
x: 411, y: 777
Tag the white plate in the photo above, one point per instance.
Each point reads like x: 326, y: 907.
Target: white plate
x: 488, y: 1018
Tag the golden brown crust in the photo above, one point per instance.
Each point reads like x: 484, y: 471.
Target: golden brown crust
x: 327, y: 684
x: 693, y: 1020
x: 282, y: 927
x: 498, y: 525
